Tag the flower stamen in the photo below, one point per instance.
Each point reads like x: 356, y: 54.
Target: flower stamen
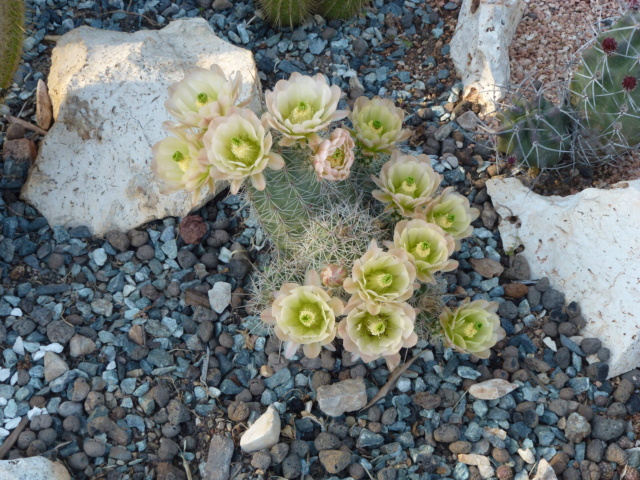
x: 301, y: 113
x: 423, y: 249
x: 408, y: 186
x: 376, y: 126
x: 181, y: 160
x: 308, y: 318
x: 202, y: 99
x: 445, y: 220
x: 376, y: 326
x: 383, y: 280
x: 243, y: 149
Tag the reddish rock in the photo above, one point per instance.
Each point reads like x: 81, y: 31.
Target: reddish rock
x: 192, y: 229
x: 21, y: 150
x: 515, y: 290
x: 487, y: 267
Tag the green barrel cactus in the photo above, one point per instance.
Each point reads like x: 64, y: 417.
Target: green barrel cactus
x: 341, y: 9
x: 604, y: 93
x: 535, y: 132
x: 287, y: 13
x: 11, y: 32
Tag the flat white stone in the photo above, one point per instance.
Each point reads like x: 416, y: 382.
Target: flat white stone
x: 345, y: 396
x: 587, y: 245
x: 34, y: 468
x: 545, y: 471
x: 480, y: 47
x: 108, y: 91
x: 220, y: 296
x: 264, y: 433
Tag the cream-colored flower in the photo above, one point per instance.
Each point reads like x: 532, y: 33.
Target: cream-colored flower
x: 202, y: 96
x: 372, y: 336
x: 237, y: 146
x: 472, y: 327
x: 406, y: 182
x: 302, y: 106
x: 427, y: 245
x: 333, y: 275
x: 334, y: 156
x: 304, y: 315
x: 377, y: 125
x: 379, y: 277
x: 175, y: 161
x: 451, y: 212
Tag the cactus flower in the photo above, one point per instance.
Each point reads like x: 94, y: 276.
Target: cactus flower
x: 377, y: 125
x: 175, y: 161
x: 237, y: 146
x: 427, y: 245
x: 302, y: 106
x: 370, y: 336
x: 472, y: 327
x: 203, y: 95
x: 333, y: 275
x: 451, y: 212
x: 334, y: 156
x: 406, y: 182
x: 304, y: 315
x: 379, y: 277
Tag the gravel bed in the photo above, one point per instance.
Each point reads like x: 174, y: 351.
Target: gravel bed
x: 138, y: 366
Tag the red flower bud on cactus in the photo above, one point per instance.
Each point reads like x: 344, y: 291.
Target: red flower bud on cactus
x: 629, y: 83
x: 609, y: 45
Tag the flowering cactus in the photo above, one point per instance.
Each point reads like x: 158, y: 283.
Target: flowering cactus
x: 175, y: 161
x: 472, y: 327
x: 406, y: 182
x: 427, y: 245
x: 377, y: 125
x: 380, y: 276
x: 372, y: 336
x: 238, y: 147
x: 202, y: 96
x: 304, y: 315
x: 451, y: 212
x: 334, y: 156
x: 302, y: 106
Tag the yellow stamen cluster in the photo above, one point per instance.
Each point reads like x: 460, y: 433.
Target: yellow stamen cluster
x: 181, y: 160
x: 243, y: 149
x: 471, y: 329
x: 202, y: 99
x: 301, y: 113
x: 408, y: 185
x: 376, y: 326
x: 445, y: 221
x: 307, y: 318
x: 337, y: 158
x: 376, y: 126
x: 423, y: 249
x: 383, y: 280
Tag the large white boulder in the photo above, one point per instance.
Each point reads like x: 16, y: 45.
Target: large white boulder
x: 34, y: 468
x: 108, y: 91
x: 480, y: 47
x: 587, y: 244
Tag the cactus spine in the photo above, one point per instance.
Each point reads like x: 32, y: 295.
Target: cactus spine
x: 341, y: 9
x: 604, y: 92
x: 287, y: 13
x: 535, y: 132
x: 11, y: 30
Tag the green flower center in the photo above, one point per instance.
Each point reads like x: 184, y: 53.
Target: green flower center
x: 383, y: 280
x: 202, y: 99
x: 337, y: 159
x: 471, y: 329
x: 376, y: 126
x: 301, y: 113
x: 408, y: 186
x: 245, y: 150
x: 445, y: 220
x: 423, y: 249
x: 308, y: 318
x: 376, y: 326
x: 182, y: 160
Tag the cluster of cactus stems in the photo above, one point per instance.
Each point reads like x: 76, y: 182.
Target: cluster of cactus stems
x: 597, y: 119
x: 12, y: 18
x: 290, y: 13
x: 359, y: 229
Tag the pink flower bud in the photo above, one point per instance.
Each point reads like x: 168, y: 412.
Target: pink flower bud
x: 333, y: 275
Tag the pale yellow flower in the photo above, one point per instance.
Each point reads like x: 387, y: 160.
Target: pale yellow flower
x: 427, y: 245
x: 406, y: 182
x: 202, y: 96
x: 372, y: 336
x: 451, y: 212
x: 377, y: 125
x: 334, y: 156
x: 472, y: 327
x: 304, y: 315
x: 302, y: 106
x: 380, y: 277
x: 237, y: 146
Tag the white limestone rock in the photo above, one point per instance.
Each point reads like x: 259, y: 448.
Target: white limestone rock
x: 263, y: 434
x: 108, y: 91
x: 480, y: 47
x: 587, y: 245
x: 345, y: 396
x: 34, y: 468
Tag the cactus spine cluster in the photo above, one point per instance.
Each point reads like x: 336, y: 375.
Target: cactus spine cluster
x: 604, y: 91
x: 290, y: 13
x: 535, y: 132
x: 12, y: 14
